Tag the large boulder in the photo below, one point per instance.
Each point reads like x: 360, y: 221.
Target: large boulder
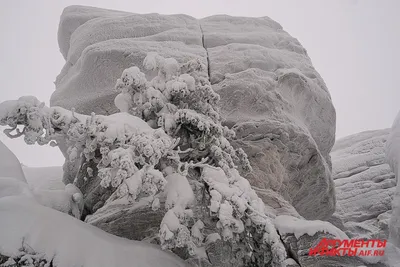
x: 364, y: 185
x: 271, y: 95
x: 299, y: 236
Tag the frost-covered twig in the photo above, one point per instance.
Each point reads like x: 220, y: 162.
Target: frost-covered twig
x: 12, y: 136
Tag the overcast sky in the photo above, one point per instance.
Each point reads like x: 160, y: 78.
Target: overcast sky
x: 353, y: 44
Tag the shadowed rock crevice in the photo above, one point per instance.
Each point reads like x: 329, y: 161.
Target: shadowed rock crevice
x: 208, y: 58
x: 290, y: 252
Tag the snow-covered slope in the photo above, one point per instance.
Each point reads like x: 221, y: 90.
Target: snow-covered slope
x: 68, y: 242
x: 364, y: 184
x: 9, y: 164
x: 279, y: 104
x: 48, y: 178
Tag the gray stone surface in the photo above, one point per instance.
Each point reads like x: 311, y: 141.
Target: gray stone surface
x: 133, y: 221
x: 364, y: 185
x: 299, y: 249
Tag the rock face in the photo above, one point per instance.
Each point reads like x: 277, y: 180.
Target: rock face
x: 300, y: 236
x: 135, y: 222
x: 300, y: 247
x: 99, y: 44
x: 274, y: 98
x: 393, y: 157
x: 270, y: 93
x: 364, y: 185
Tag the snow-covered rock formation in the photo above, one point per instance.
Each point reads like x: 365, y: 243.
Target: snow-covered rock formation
x: 301, y: 235
x: 365, y: 184
x: 167, y: 164
x: 271, y: 95
x: 163, y: 169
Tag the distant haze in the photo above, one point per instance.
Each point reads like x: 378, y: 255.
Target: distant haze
x: 353, y: 44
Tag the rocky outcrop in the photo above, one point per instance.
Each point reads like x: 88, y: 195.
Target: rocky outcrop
x: 133, y: 221
x: 299, y: 248
x: 107, y: 42
x: 266, y: 82
x: 300, y: 236
x: 393, y: 158
x: 139, y: 222
x: 364, y: 184
x: 270, y: 93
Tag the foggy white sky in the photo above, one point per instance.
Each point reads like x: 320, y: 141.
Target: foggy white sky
x: 353, y: 44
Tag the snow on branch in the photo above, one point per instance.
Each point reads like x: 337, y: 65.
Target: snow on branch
x: 181, y: 101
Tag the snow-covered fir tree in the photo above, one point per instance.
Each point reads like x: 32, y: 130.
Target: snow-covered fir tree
x: 167, y: 144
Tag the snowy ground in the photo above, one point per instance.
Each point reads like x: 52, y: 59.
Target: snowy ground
x: 69, y: 242
x: 44, y: 177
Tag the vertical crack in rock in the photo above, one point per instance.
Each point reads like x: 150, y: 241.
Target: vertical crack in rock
x: 208, y: 58
x: 289, y: 252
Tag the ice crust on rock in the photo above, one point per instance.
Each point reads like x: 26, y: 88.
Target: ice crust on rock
x: 75, y: 16
x: 279, y: 104
x: 365, y: 184
x: 101, y: 64
x: 117, y: 40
